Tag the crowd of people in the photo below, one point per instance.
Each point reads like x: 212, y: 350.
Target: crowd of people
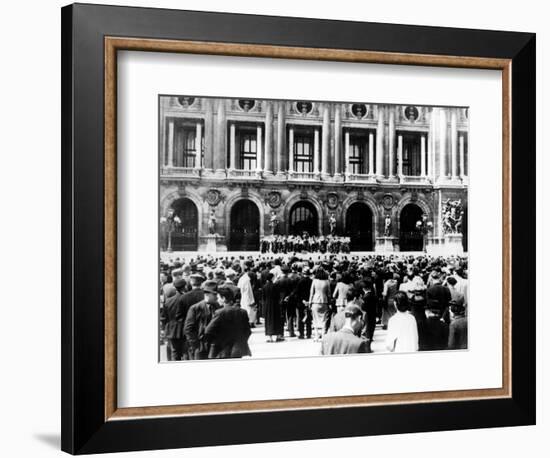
x: 209, y: 304
x: 305, y: 243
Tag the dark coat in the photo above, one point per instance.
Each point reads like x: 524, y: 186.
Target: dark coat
x: 342, y: 342
x: 436, y: 334
x: 191, y: 298
x: 198, y: 318
x: 272, y: 309
x: 284, y: 287
x: 438, y: 296
x: 228, y: 333
x: 175, y: 313
x: 302, y: 290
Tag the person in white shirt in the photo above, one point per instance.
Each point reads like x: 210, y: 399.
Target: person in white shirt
x: 402, y: 333
x: 247, y: 297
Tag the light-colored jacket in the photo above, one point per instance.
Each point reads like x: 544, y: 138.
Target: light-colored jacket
x: 319, y: 292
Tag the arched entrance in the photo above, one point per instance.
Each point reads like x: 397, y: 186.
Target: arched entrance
x: 410, y: 237
x: 303, y: 218
x: 244, y: 229
x: 185, y: 225
x: 359, y: 227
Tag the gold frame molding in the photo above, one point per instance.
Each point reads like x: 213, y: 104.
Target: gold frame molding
x: 114, y: 44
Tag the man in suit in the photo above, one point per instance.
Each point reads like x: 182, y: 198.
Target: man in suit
x: 176, y: 312
x: 301, y: 294
x: 284, y: 286
x: 229, y: 330
x: 195, y: 295
x: 346, y: 341
x: 198, y: 318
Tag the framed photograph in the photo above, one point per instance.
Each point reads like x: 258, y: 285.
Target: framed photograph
x: 284, y: 228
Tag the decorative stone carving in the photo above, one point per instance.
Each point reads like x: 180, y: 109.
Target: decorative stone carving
x: 185, y: 101
x: 246, y: 104
x: 213, y: 197
x: 451, y: 216
x: 411, y: 113
x: 304, y: 107
x: 274, y: 199
x: 359, y: 110
x: 388, y: 201
x: 332, y: 200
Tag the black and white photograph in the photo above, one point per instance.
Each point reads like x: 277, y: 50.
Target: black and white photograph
x: 301, y: 228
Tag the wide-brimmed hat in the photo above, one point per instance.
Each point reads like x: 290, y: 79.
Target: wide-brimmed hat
x: 210, y: 286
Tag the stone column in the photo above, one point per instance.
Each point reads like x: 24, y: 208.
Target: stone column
x: 221, y: 136
x: 371, y: 154
x: 198, y: 145
x: 380, y: 143
x: 442, y: 144
x: 170, y: 162
x: 316, y: 150
x: 290, y: 149
x: 232, y: 148
x: 432, y: 145
x: 391, y: 142
x: 400, y: 156
x: 454, y: 173
x: 269, y: 138
x: 326, y: 140
x: 281, y: 141
x: 423, y: 155
x: 259, y: 149
x: 208, y: 135
x: 461, y: 152
x: 346, y: 150
x: 337, y: 140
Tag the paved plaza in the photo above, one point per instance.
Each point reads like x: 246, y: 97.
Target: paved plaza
x: 292, y: 347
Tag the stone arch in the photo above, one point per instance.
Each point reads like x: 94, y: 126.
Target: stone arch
x: 236, y: 196
x: 296, y: 198
x: 407, y: 199
x: 194, y: 197
x: 370, y: 202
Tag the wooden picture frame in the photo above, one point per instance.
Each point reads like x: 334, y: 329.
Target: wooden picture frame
x: 91, y: 37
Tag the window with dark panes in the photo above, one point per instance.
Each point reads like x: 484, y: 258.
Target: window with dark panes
x: 247, y: 149
x: 303, y: 150
x: 411, y: 153
x: 185, y: 147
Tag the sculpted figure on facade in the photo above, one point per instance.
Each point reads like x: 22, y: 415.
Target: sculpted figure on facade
x: 452, y: 216
x: 387, y: 226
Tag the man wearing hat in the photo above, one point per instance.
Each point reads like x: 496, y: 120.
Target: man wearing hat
x: 230, y: 276
x: 196, y: 294
x: 346, y: 341
x: 175, y: 312
x: 229, y: 330
x: 198, y: 318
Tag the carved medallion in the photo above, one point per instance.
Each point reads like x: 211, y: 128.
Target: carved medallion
x: 274, y: 199
x: 387, y: 201
x: 332, y: 200
x: 213, y: 197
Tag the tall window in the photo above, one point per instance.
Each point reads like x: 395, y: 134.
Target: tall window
x: 247, y: 149
x: 303, y: 151
x: 411, y: 153
x: 358, y: 152
x: 185, y: 146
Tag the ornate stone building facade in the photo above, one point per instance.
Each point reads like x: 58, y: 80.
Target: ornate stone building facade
x: 391, y: 175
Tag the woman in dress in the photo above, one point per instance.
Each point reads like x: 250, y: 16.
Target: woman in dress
x: 319, y: 300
